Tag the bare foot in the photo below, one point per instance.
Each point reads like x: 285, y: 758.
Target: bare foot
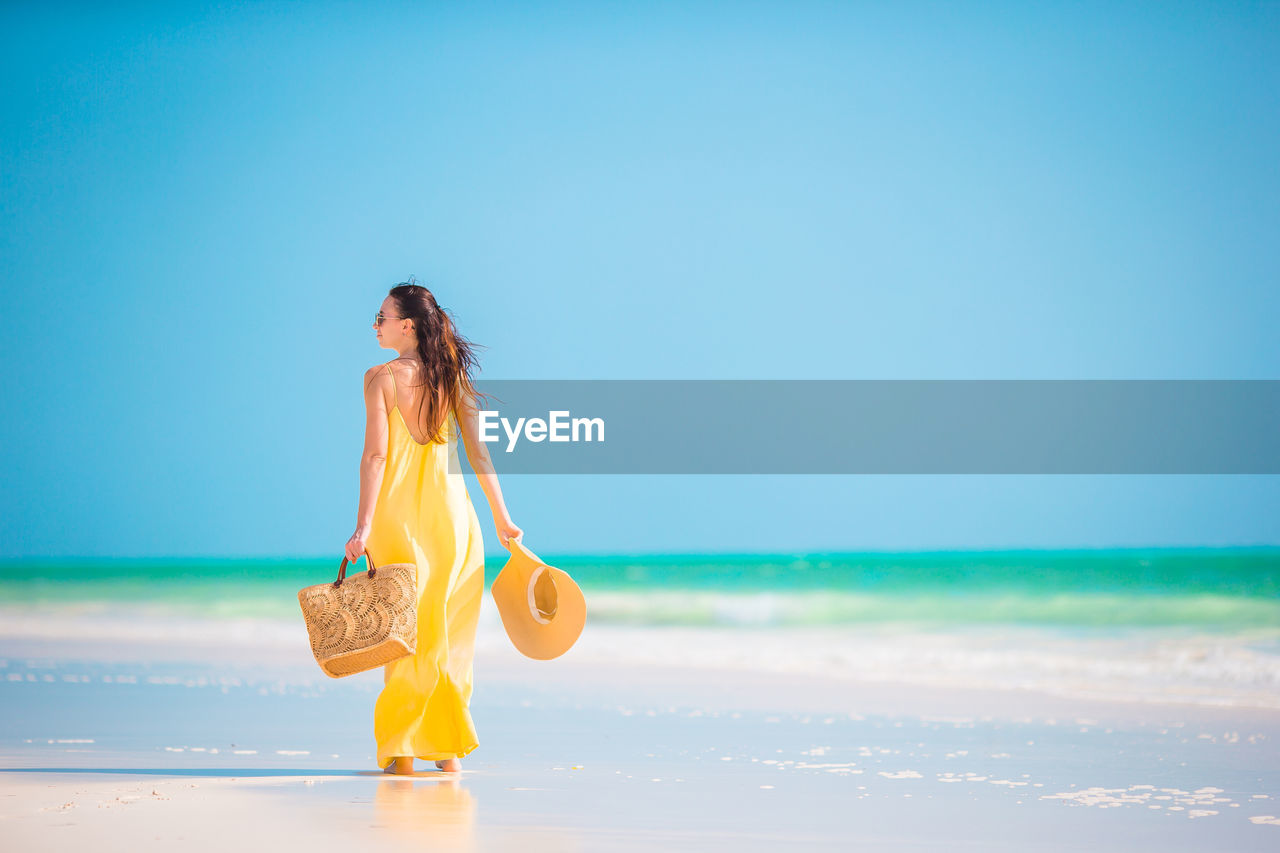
x: 400, y: 767
x: 449, y: 765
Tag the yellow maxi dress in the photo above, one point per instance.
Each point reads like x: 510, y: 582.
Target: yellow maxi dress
x: 424, y: 516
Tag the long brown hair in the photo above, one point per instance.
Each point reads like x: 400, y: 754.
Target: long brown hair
x: 447, y: 357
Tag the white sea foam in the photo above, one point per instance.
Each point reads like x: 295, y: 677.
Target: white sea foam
x: 1146, y: 665
x: 1163, y: 665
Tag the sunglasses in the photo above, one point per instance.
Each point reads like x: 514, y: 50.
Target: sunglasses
x: 379, y: 317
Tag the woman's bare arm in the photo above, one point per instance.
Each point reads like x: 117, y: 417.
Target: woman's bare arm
x: 373, y: 460
x: 468, y: 417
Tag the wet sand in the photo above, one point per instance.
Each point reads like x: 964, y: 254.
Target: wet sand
x: 147, y: 745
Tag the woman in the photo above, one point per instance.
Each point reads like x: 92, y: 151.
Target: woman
x: 415, y: 509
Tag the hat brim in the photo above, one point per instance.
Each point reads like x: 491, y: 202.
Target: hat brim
x: 543, y: 611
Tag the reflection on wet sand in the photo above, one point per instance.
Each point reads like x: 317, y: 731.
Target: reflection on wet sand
x: 439, y: 810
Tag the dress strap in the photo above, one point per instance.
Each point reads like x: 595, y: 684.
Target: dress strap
x: 395, y: 396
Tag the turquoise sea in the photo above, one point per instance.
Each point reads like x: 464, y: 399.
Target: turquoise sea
x: 1198, y: 626
x: 1210, y: 589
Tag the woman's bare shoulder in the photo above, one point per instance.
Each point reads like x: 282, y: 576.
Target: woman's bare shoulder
x: 377, y: 377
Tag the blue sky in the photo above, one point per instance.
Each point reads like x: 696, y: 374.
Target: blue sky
x: 202, y: 206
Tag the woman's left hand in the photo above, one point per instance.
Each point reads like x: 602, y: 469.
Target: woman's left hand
x: 507, y: 531
x: 355, y: 545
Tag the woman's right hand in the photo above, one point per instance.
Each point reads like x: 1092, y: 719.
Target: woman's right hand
x: 508, y: 531
x: 355, y: 545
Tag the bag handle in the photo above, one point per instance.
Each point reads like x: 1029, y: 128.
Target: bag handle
x: 342, y: 570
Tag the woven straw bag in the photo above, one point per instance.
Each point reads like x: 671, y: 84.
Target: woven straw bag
x: 364, y: 621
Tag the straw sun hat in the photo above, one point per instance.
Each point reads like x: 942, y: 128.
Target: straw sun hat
x: 542, y: 609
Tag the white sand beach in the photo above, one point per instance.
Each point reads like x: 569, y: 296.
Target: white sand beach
x: 138, y: 742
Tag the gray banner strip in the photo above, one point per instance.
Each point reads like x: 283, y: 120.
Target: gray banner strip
x: 787, y: 426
